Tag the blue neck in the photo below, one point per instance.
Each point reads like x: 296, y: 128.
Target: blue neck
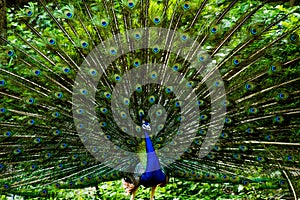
x: 153, y: 174
x: 152, y: 159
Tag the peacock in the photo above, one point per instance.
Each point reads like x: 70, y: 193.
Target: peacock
x: 144, y: 91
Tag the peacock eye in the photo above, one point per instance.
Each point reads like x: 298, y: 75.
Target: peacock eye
x: 93, y: 72
x: 253, y: 31
x: 155, y: 50
x: 293, y: 38
x: 213, y: 30
x: 84, y: 44
x: 203, y: 117
x: 104, y: 110
x: 69, y: 14
x: 156, y: 20
x: 189, y: 84
x: 84, y: 91
x: 123, y: 115
x: 126, y: 102
x: 151, y: 100
x: 117, y: 78
x: 259, y: 158
x: 51, y: 41
x: 137, y: 36
x: 281, y: 95
x: 95, y: 149
x: 29, y: 13
x: 59, y: 95
x: 31, y: 100
x: 103, y: 124
x: 130, y: 5
x: 113, y: 51
x: 10, y: 53
x: 2, y: 82
x: 186, y: 6
x: 8, y: 133
x: 273, y: 68
x: 108, y: 95
x: 80, y: 111
x: 104, y: 23
x: 180, y: 119
x: 248, y: 86
x: 66, y: 70
x: 227, y: 120
x: 57, y: 132
x: 153, y: 75
x: 236, y: 62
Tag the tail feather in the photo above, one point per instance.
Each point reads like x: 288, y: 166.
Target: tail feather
x: 256, y: 55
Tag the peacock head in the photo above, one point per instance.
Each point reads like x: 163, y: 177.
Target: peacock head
x: 146, y: 126
x: 154, y: 119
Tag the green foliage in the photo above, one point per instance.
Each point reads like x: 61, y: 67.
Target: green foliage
x: 175, y: 190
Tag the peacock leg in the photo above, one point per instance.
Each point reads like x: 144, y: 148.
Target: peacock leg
x: 133, y: 194
x: 152, y: 192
